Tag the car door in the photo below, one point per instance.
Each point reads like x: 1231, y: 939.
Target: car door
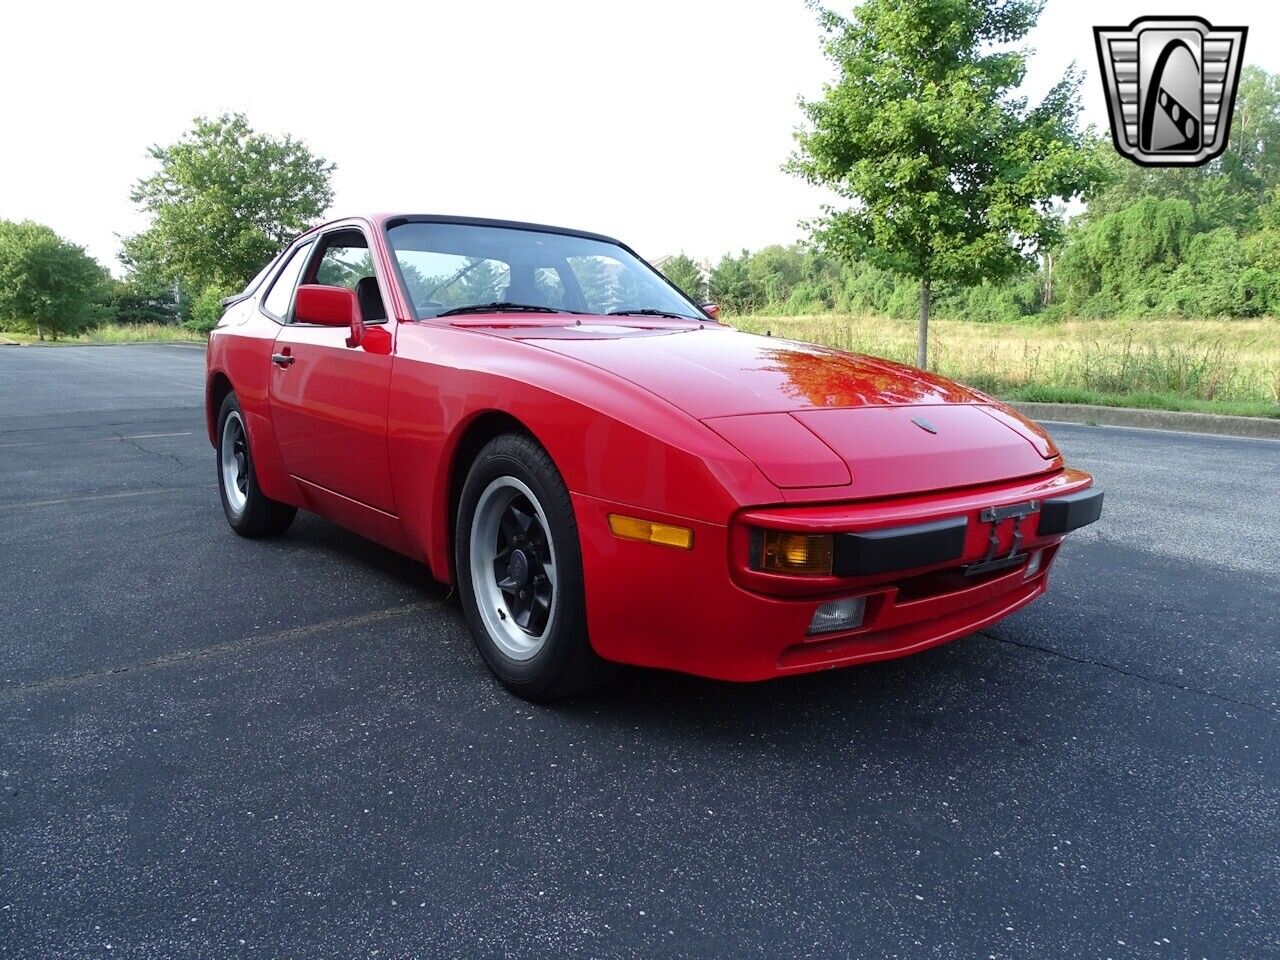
x: 328, y: 400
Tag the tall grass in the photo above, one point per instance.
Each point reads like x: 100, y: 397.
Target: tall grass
x: 1192, y: 364
x: 121, y: 333
x: 141, y: 332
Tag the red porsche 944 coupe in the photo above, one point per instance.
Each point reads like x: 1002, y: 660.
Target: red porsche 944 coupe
x: 608, y: 474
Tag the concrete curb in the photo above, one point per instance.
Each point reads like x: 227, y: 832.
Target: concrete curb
x: 1258, y: 428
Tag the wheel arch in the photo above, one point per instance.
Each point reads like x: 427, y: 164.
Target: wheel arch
x: 472, y: 437
x: 216, y: 390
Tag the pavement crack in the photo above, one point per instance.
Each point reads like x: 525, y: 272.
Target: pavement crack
x: 216, y: 650
x: 137, y: 445
x: 1133, y: 674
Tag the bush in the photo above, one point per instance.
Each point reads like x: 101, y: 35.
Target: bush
x: 207, y: 309
x: 1258, y: 292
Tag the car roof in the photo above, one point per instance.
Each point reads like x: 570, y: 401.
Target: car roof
x: 388, y: 220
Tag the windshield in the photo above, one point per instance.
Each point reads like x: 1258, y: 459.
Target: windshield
x: 453, y: 267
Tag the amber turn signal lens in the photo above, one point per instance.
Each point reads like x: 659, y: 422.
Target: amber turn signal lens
x: 631, y: 528
x: 801, y: 553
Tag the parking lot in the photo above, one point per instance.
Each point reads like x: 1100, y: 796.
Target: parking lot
x: 218, y: 747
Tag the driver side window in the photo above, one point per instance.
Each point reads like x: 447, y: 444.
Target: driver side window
x: 346, y: 261
x: 344, y: 266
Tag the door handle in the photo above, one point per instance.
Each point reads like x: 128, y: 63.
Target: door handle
x: 281, y: 359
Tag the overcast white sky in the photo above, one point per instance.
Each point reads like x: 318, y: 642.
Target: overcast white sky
x: 663, y: 123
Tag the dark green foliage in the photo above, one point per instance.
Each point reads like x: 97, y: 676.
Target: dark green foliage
x: 47, y: 285
x: 1165, y: 257
x: 134, y: 302
x: 732, y: 286
x: 685, y: 274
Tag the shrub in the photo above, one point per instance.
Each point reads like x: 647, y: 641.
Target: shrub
x: 207, y: 309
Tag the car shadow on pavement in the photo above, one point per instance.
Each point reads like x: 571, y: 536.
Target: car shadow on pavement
x: 312, y: 534
x: 916, y: 693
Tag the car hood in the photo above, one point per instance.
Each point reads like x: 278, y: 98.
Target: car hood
x: 810, y: 417
x: 715, y: 371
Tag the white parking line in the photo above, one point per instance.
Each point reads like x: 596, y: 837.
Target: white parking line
x: 96, y: 496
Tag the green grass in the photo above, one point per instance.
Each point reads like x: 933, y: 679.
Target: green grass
x: 119, y: 333
x: 1142, y: 401
x: 1208, y: 366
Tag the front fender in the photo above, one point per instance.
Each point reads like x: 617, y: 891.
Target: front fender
x: 609, y: 438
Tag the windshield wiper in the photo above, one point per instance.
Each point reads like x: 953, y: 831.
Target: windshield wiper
x: 500, y: 306
x: 648, y: 312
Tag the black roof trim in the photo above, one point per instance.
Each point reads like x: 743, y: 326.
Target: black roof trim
x: 397, y: 221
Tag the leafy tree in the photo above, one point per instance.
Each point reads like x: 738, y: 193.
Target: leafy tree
x: 949, y: 176
x: 47, y: 284
x: 133, y: 301
x: 733, y: 287
x: 775, y: 271
x: 687, y: 275
x: 1123, y: 261
x: 1253, y: 160
x: 224, y: 201
x: 1226, y: 192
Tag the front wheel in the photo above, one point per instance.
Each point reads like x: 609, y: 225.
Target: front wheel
x: 250, y: 512
x: 519, y: 567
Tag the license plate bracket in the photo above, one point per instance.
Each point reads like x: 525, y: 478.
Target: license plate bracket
x: 1017, y: 512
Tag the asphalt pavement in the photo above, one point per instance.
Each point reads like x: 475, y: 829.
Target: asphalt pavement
x: 213, y: 747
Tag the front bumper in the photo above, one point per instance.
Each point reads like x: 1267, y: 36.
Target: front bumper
x: 918, y: 561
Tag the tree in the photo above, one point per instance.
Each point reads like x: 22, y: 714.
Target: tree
x: 732, y: 285
x: 949, y: 176
x: 1228, y: 191
x: 46, y: 283
x: 224, y: 201
x: 687, y: 275
x: 133, y: 301
x: 1253, y: 162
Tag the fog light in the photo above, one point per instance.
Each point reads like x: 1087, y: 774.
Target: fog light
x: 838, y: 615
x: 796, y: 553
x: 1033, y: 565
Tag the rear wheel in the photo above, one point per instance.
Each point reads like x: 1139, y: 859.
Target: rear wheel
x: 519, y: 567
x: 250, y: 512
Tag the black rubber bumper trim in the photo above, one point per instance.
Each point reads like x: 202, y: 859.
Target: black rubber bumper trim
x: 899, y: 548
x: 1071, y: 512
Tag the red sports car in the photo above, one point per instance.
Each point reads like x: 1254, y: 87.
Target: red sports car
x: 608, y: 474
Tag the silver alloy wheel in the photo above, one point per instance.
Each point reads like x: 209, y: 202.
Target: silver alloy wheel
x: 234, y: 462
x: 513, y: 568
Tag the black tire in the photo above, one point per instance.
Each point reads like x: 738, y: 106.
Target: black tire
x: 565, y: 663
x: 260, y: 516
